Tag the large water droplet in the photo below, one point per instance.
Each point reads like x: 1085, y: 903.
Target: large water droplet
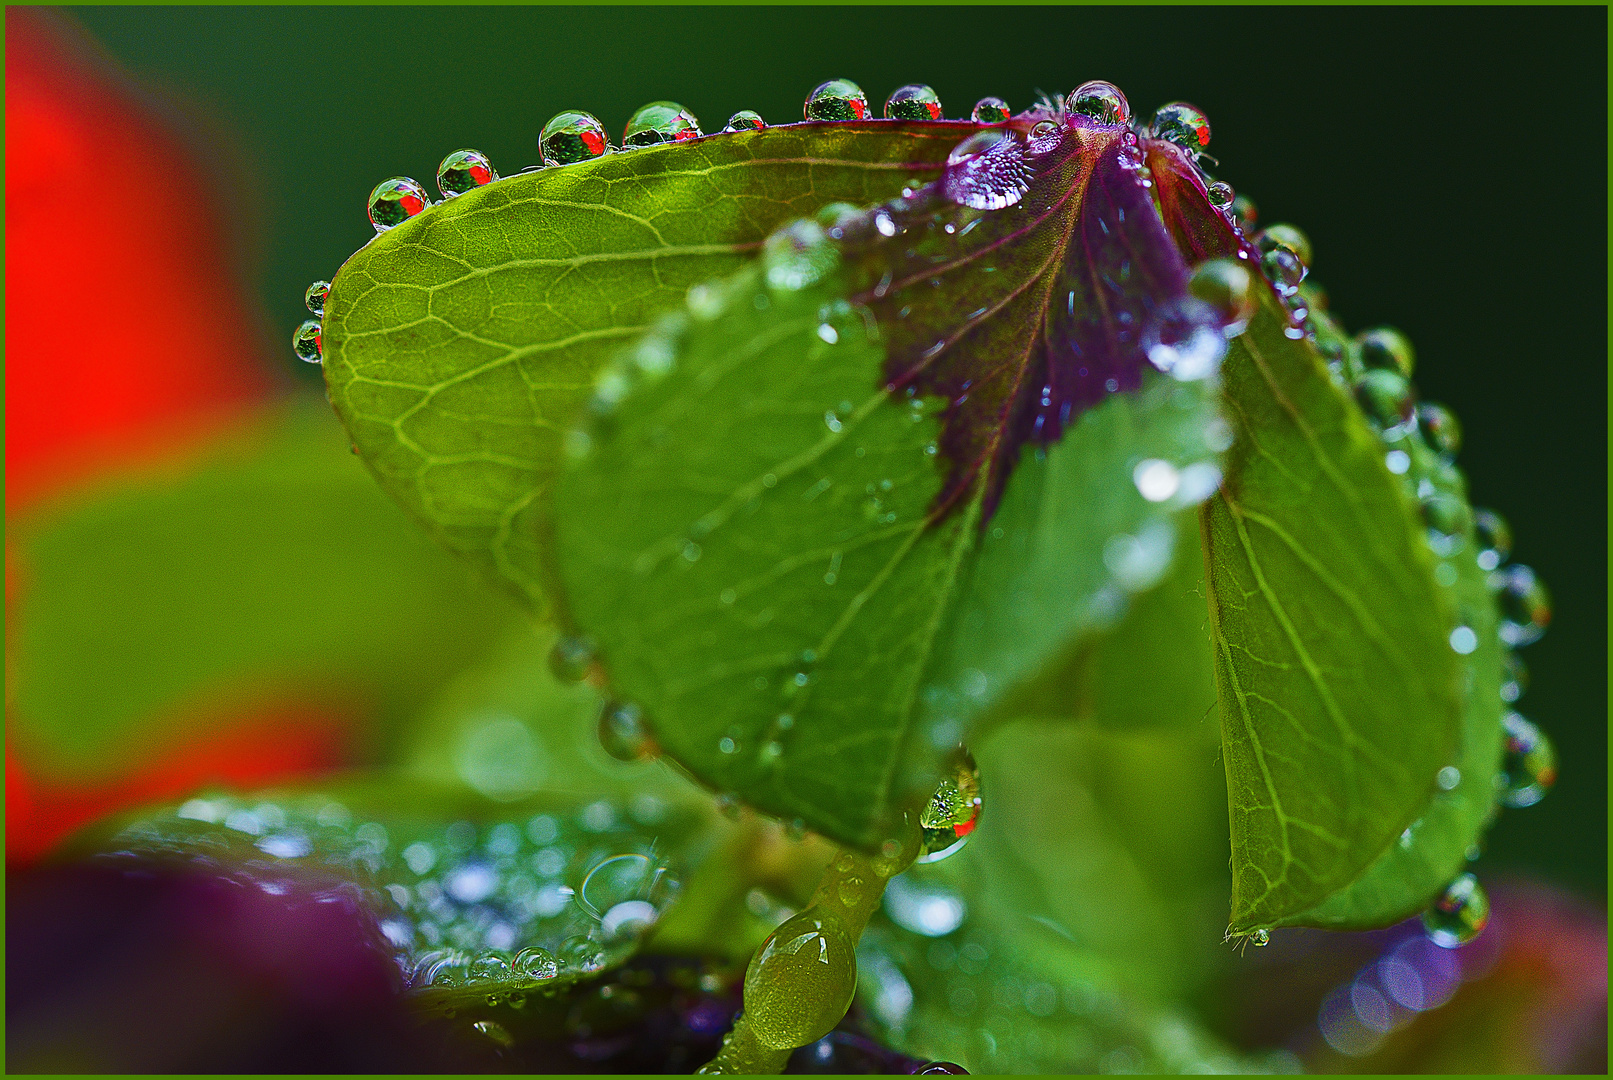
x: 1494, y: 537
x: 535, y: 965
x: 623, y: 733
x: 1286, y: 238
x: 1441, y: 430
x: 1459, y: 915
x: 837, y: 99
x: 307, y: 342
x: 745, y: 120
x: 1221, y: 195
x: 572, y: 136
x: 952, y: 812
x: 1101, y: 101
x: 315, y: 297
x: 660, y: 122
x: 1528, y: 763
x: 1387, y: 348
x: 1524, y: 602
x: 915, y: 101
x: 1284, y: 269
x: 1228, y: 287
x: 570, y: 658
x: 462, y: 171
x: 1182, y: 124
x: 394, y: 201
x: 801, y: 981
x: 990, y: 110
x: 1385, y: 396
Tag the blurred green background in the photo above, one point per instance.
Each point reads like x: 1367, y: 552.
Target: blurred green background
x: 1448, y: 164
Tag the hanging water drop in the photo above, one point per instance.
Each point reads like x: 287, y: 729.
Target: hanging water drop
x: 1221, y: 195
x: 1525, y: 605
x: 1528, y: 763
x: 1459, y: 915
x: 307, y: 342
x: 1494, y: 536
x: 837, y: 99
x: 990, y: 110
x: 1099, y: 100
x: 315, y: 298
x: 462, y: 171
x: 801, y: 981
x: 1285, y: 270
x: 1287, y: 238
x: 1227, y: 286
x: 570, y: 658
x: 745, y: 120
x: 1182, y: 124
x: 623, y: 732
x: 1386, y: 398
x: 660, y: 122
x: 914, y: 101
x: 572, y: 136
x: 1441, y: 430
x: 952, y: 812
x: 1388, y: 349
x: 495, y: 1031
x: 395, y: 201
x: 1261, y: 938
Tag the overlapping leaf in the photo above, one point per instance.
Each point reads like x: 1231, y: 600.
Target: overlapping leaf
x: 459, y: 344
x: 854, y: 495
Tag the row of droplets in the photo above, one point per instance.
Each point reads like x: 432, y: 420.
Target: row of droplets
x: 574, y: 136
x: 1376, y: 368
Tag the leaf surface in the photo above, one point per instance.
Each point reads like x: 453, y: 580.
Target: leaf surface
x: 1340, y: 692
x: 459, y: 344
x: 855, y: 494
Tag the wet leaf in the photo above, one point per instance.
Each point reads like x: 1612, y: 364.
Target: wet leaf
x: 474, y: 900
x: 268, y: 571
x: 459, y: 344
x: 1341, y: 696
x: 852, y: 496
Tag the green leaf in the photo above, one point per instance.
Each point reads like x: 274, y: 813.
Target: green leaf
x: 811, y: 579
x: 268, y: 571
x: 459, y: 344
x: 474, y: 899
x: 1341, y: 695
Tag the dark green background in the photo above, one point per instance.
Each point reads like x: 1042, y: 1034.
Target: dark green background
x: 1449, y: 165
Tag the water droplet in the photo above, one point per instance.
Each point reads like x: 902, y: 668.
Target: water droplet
x: 1184, y: 125
x: 915, y: 101
x: 990, y: 110
x: 627, y: 920
x: 1387, y: 348
x: 494, y: 1031
x: 1448, y: 778
x: 745, y: 120
x: 488, y: 968
x: 1464, y: 640
x: 1494, y: 537
x: 952, y: 812
x: 394, y: 201
x: 1284, y: 269
x: 1440, y: 429
x: 1221, y: 195
x: 1261, y: 937
x: 1459, y: 915
x: 1528, y: 763
x: 572, y: 136
x: 582, y: 953
x: 1514, y: 676
x: 315, y: 297
x: 1228, y: 287
x: 623, y: 732
x: 851, y: 891
x: 307, y: 342
x: 1287, y: 238
x: 1386, y: 397
x: 942, y: 1068
x: 571, y: 657
x: 462, y: 171
x: 927, y: 909
x: 1525, y: 605
x: 1045, y: 129
x: 1156, y: 480
x: 1101, y: 101
x: 535, y: 965
x: 837, y: 99
x: 660, y: 122
x: 975, y: 145
x: 1449, y: 516
x: 801, y: 981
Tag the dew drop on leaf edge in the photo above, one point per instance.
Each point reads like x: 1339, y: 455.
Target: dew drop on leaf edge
x: 1459, y: 914
x: 314, y: 298
x: 990, y: 110
x: 462, y: 171
x: 394, y: 201
x: 836, y: 99
x: 307, y: 343
x: 572, y: 136
x: 1100, y: 101
x: 745, y: 120
x: 1528, y: 763
x: 1182, y: 124
x: 914, y: 101
x: 660, y: 122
